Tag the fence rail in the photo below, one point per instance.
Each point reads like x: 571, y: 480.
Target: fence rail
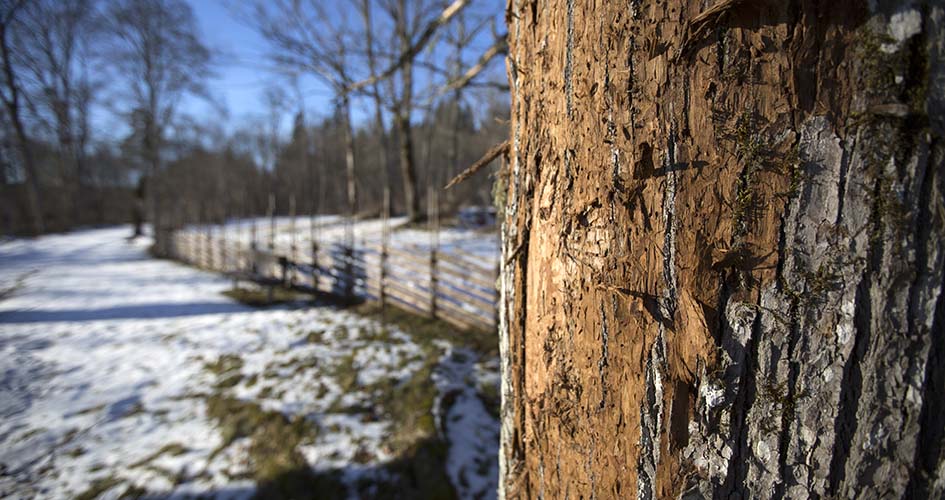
x: 453, y: 286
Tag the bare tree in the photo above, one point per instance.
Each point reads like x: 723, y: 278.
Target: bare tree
x: 54, y: 34
x: 158, y: 52
x: 12, y: 101
x: 304, y: 41
x: 403, y: 106
x: 416, y: 45
x: 365, y: 8
x: 415, y: 24
x: 461, y: 35
x: 269, y: 142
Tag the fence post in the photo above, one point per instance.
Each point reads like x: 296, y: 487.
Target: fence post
x: 316, y: 270
x: 432, y: 215
x: 385, y: 235
x: 293, y: 248
x: 207, y: 244
x: 221, y: 237
x: 271, y: 213
x: 196, y: 242
x: 240, y: 230
x: 271, y: 243
x: 252, y: 232
x: 348, y: 255
x: 253, y: 245
x: 314, y: 246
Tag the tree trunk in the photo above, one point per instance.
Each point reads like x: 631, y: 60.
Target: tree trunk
x: 33, y: 199
x: 382, y: 153
x: 138, y: 208
x: 66, y: 159
x: 407, y: 171
x: 349, y: 157
x: 723, y: 250
x: 12, y: 102
x: 405, y: 108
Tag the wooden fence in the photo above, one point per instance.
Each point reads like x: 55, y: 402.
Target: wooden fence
x: 453, y: 286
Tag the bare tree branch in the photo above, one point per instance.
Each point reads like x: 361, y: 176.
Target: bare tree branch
x: 486, y: 159
x: 500, y: 46
x: 408, y: 55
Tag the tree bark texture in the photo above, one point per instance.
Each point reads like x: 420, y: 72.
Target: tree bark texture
x: 723, y: 250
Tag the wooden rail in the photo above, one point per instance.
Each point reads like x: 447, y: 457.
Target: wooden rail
x: 452, y: 286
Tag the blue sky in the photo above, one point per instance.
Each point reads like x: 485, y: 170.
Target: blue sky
x: 242, y: 70
x: 240, y: 74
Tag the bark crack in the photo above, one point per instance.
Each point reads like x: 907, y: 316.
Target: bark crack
x: 602, y: 363
x: 734, y: 483
x: 929, y: 445
x: 569, y: 61
x: 851, y: 385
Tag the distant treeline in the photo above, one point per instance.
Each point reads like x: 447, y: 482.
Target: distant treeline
x: 208, y: 185
x: 95, y: 206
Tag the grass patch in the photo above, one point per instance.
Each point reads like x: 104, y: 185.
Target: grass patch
x: 409, y: 406
x: 229, y: 381
x: 417, y: 473
x: 380, y: 334
x: 90, y: 410
x: 425, y: 330
x: 260, y: 297
x: 238, y: 419
x: 345, y: 373
x: 98, y: 487
x: 315, y: 337
x: 224, y: 364
x: 270, y: 392
x: 298, y: 365
x: 172, y: 449
x: 277, y: 466
x: 227, y: 369
x: 490, y: 397
x: 31, y: 433
x: 7, y: 291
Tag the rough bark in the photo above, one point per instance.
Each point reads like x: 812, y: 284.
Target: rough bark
x: 723, y: 250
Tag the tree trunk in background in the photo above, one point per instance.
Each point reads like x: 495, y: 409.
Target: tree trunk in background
x: 65, y: 158
x: 404, y: 110
x: 723, y: 250
x: 31, y: 178
x: 11, y: 100
x: 350, y: 174
x: 411, y: 199
x: 375, y: 91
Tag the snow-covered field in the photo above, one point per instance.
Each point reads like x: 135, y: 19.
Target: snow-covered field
x: 122, y: 374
